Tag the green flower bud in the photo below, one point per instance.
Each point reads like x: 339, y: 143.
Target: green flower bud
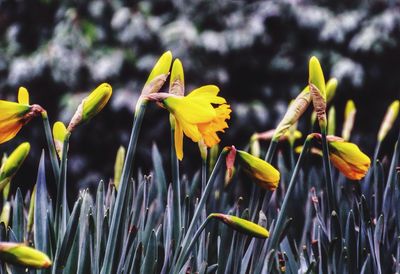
x: 158, y: 75
x: 332, y: 121
x: 177, y: 81
x: 5, y: 214
x: 91, y: 105
x: 331, y: 86
x: 13, y: 163
x: 119, y: 165
x: 390, y: 117
x: 241, y: 225
x: 20, y: 254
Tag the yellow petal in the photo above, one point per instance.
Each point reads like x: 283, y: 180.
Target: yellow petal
x: 23, y: 96
x: 208, y: 94
x: 192, y: 111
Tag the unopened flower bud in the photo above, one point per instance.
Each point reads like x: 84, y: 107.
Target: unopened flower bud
x: 13, y: 163
x: 332, y: 121
x: 331, y: 87
x: 60, y: 133
x: 241, y: 225
x: 5, y: 214
x: 294, y: 112
x: 177, y: 82
x: 119, y: 165
x: 158, y: 75
x: 20, y: 254
x: 91, y: 105
x: 390, y: 117
x: 349, y: 118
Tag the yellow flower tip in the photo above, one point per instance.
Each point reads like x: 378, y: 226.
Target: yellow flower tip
x: 23, y: 96
x: 349, y: 118
x: 265, y: 175
x: 118, y: 166
x: 348, y: 158
x: 91, y: 105
x: 159, y: 74
x: 331, y: 87
x: 316, y: 76
x: 14, y: 162
x: 60, y: 132
x: 391, y: 115
x: 241, y: 225
x: 16, y: 253
x: 96, y: 101
x: 177, y: 81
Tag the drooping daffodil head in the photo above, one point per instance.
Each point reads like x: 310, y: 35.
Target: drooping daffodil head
x: 14, y: 115
x: 348, y: 158
x: 200, y: 115
x: 262, y: 172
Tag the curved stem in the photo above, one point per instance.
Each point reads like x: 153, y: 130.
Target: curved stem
x: 271, y: 151
x: 202, y: 202
x: 273, y: 242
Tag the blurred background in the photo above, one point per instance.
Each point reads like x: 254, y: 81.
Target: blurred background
x: 256, y: 51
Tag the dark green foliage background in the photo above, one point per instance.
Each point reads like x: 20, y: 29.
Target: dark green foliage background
x: 255, y: 51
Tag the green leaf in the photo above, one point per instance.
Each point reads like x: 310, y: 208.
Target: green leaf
x: 41, y: 235
x: 64, y: 248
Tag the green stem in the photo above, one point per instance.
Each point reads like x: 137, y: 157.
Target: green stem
x: 176, y: 188
x: 61, y: 203
x: 122, y: 190
x: 201, y: 204
x: 279, y: 225
x: 328, y: 177
x: 271, y: 151
x: 186, y: 253
x: 376, y: 152
x: 50, y: 144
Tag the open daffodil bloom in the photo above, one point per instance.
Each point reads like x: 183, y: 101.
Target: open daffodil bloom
x: 199, y: 115
x: 14, y: 115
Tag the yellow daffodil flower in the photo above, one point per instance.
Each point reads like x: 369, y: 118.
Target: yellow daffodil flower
x: 199, y: 115
x: 14, y: 115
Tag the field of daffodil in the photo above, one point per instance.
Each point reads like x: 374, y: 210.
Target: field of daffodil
x: 294, y: 216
